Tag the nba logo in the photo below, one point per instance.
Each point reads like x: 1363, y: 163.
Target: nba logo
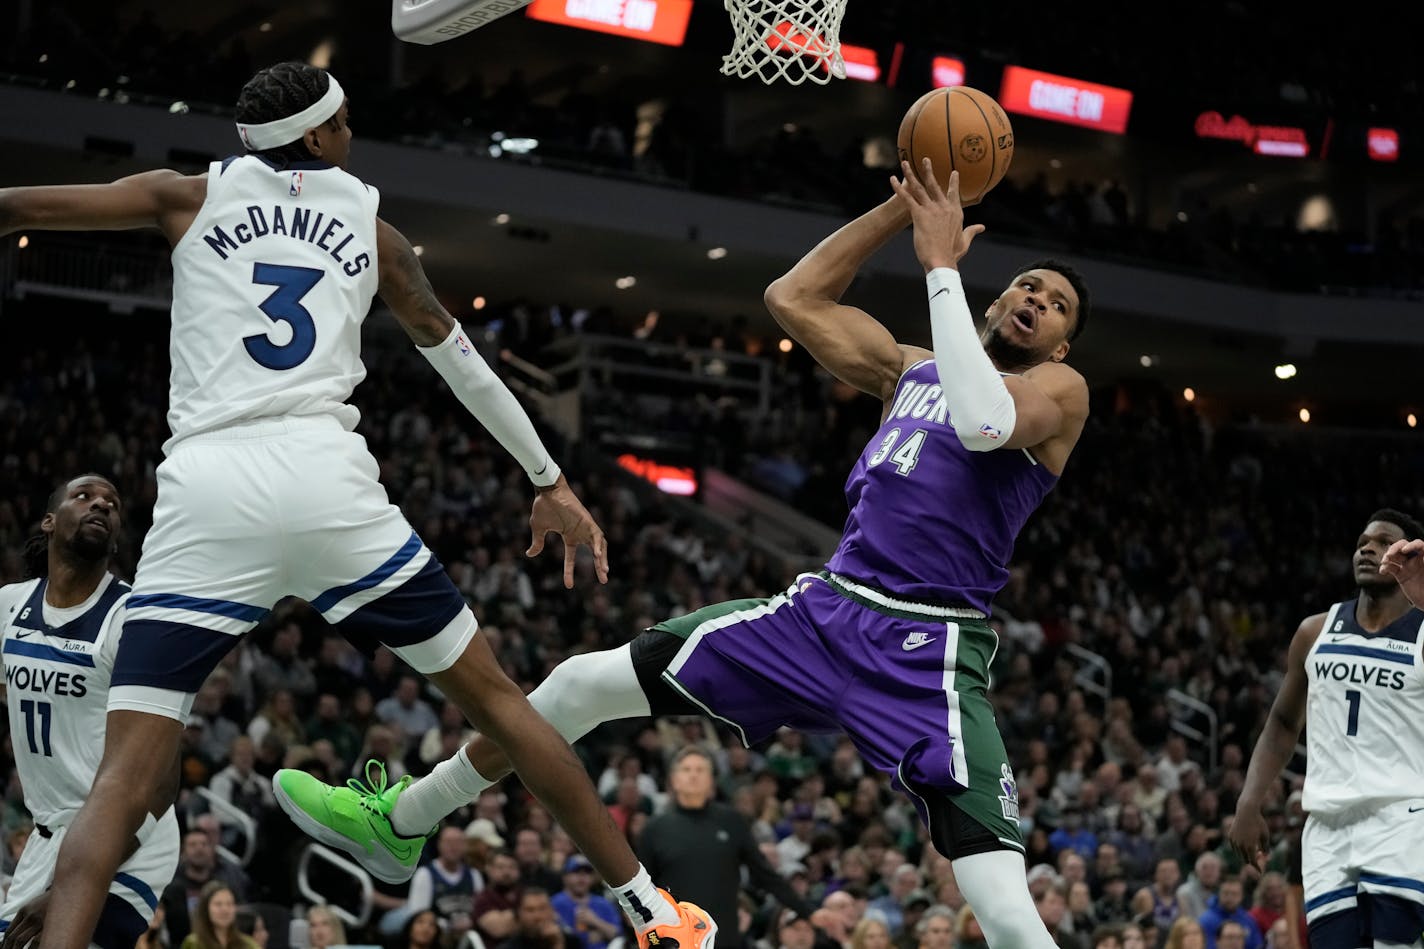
x: 296, y: 187
x: 464, y: 346
x: 242, y: 133
x: 989, y: 431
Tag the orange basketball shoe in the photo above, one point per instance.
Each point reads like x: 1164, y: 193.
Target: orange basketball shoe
x: 694, y: 930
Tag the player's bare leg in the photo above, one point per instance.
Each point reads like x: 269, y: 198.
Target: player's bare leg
x: 127, y: 788
x: 539, y: 754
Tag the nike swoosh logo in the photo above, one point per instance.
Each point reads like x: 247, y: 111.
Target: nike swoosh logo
x: 907, y: 646
x: 1339, y: 639
x: 1414, y: 810
x: 20, y: 635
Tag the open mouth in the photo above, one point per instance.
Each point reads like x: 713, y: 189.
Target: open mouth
x: 1025, y: 318
x: 96, y: 520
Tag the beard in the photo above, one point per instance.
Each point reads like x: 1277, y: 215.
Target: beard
x: 82, y: 549
x: 1007, y: 354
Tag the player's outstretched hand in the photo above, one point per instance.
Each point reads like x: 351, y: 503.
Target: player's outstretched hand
x: 1403, y: 562
x: 28, y: 923
x: 559, y: 510
x: 941, y: 238
x: 1250, y: 837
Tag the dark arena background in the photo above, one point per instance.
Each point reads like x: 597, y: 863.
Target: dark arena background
x: 603, y: 211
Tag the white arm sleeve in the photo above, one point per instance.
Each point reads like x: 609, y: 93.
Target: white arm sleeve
x: 980, y: 405
x: 492, y: 404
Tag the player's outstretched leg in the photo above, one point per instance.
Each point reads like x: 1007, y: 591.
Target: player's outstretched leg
x: 553, y: 773
x: 127, y: 789
x: 383, y: 828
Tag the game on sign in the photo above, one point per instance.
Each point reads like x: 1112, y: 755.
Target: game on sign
x: 1060, y: 99
x: 657, y: 21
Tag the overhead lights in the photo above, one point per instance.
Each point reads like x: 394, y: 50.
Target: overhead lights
x: 716, y: 253
x: 500, y: 220
x: 478, y: 303
x: 24, y: 241
x: 785, y: 345
x: 625, y: 283
x: 419, y: 250
x: 1285, y: 371
x: 1305, y: 415
x: 1189, y: 394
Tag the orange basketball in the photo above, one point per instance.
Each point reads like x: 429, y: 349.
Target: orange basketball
x: 959, y: 129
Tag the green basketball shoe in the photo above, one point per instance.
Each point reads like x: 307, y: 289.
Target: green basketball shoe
x: 355, y: 819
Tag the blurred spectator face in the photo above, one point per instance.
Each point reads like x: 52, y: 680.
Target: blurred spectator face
x: 243, y: 754
x: 328, y: 708
x: 286, y: 641
x: 320, y: 932
x: 1080, y: 898
x: 1106, y: 857
x: 890, y: 860
x: 424, y: 929
x: 938, y: 930
x: 408, y: 691
x: 1229, y: 896
x: 1130, y: 819
x: 843, y: 905
x: 1272, y: 892
x: 1167, y: 876
x: 1108, y: 940
x: 503, y: 870
x: 579, y: 881
x: 361, y: 704
x: 691, y: 781
x: 535, y: 913
x: 1074, y: 869
x: 528, y: 847
x: 1232, y: 936
x: 797, y: 934
x: 870, y: 934
x: 450, y: 846
x: 1051, y: 907
x: 1132, y: 937
x: 208, y: 824
x: 222, y: 908
x: 1209, y: 870
x: 905, y: 881
x: 198, y: 853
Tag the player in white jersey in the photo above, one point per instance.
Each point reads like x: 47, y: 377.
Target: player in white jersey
x: 59, y: 635
x: 266, y: 491
x: 1355, y: 680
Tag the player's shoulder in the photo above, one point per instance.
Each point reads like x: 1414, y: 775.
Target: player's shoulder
x: 12, y: 594
x: 1308, y: 632
x: 1061, y: 381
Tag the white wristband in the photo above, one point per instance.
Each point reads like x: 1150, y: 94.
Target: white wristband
x: 981, y: 408
x: 490, y: 401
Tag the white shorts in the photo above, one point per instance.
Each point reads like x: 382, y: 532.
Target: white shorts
x: 258, y: 511
x: 1377, y: 852
x: 133, y: 896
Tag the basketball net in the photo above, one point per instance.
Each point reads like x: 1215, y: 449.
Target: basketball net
x: 794, y: 40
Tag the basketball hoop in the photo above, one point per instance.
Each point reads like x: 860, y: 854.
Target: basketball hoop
x: 793, y: 40
x: 428, y: 22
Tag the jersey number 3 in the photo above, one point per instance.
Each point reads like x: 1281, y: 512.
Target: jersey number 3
x: 284, y: 305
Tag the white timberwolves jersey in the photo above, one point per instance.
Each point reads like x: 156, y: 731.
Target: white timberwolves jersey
x: 270, y: 286
x: 57, y: 668
x: 1364, y: 713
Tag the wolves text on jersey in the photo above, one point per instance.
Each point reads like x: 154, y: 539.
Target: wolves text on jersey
x: 49, y: 681
x: 303, y: 224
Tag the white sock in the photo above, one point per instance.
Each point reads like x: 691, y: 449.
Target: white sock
x: 453, y: 784
x: 645, y: 906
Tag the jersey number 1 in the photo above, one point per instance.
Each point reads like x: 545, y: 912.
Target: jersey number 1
x: 32, y: 709
x: 1352, y: 724
x: 284, y: 305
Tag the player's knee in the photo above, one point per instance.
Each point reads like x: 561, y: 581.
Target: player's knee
x: 1014, y: 930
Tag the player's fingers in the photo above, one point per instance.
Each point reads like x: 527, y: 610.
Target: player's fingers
x: 913, y: 185
x: 971, y: 232
x: 570, y: 558
x: 600, y: 556
x: 931, y: 182
x: 536, y: 543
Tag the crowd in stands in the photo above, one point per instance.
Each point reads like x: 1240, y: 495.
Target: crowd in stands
x: 1169, y: 548
x: 683, y: 144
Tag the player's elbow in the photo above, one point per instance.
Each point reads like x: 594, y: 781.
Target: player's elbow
x: 980, y: 440
x: 9, y: 211
x: 785, y: 300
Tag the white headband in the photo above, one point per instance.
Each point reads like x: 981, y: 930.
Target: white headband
x: 283, y: 131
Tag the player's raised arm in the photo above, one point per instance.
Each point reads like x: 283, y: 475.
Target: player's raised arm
x: 989, y: 411
x: 440, y: 339
x: 1403, y: 562
x: 1249, y: 836
x: 847, y: 341
x: 164, y: 199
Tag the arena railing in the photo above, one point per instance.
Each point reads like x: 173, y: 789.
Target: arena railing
x: 1092, y: 666
x: 316, y: 851
x: 1182, y: 707
x: 227, y: 813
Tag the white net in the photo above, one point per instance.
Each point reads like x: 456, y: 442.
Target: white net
x: 794, y: 40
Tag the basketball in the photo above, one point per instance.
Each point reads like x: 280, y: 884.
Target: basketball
x: 959, y: 129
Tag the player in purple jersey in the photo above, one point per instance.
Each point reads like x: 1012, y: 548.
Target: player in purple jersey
x: 890, y: 643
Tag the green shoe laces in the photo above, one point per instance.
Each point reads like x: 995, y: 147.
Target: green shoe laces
x: 369, y: 791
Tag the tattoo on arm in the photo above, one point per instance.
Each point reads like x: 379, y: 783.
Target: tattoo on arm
x: 407, y: 291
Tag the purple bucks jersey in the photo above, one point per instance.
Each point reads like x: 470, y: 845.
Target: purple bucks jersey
x: 931, y: 520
